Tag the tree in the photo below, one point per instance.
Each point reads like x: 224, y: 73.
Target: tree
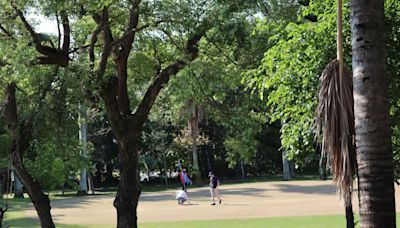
x: 42, y: 152
x: 21, y: 131
x: 111, y: 78
x: 371, y: 110
x: 125, y: 124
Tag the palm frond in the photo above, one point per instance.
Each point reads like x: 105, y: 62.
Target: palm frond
x: 335, y: 125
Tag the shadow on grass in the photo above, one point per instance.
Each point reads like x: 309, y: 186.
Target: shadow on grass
x: 312, y: 189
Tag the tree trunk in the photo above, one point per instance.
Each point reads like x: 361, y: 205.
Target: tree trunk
x: 18, y: 188
x: 371, y: 110
x: 83, y: 132
x: 242, y: 169
x: 90, y: 183
x: 292, y: 169
x: 349, y: 212
x: 127, y: 197
x: 196, y: 169
x: 194, y: 129
x: 322, y: 167
x: 286, y: 166
x: 21, y: 137
x: 147, y: 169
x: 208, y: 161
x: 164, y: 155
x: 40, y: 200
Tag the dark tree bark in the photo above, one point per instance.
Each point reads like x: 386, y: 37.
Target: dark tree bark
x: 349, y: 213
x: 2, y: 212
x: 21, y: 131
x: 372, y: 121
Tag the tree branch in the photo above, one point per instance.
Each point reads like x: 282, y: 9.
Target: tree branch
x: 34, y: 36
x: 107, y: 44
x: 163, y: 77
x: 223, y: 53
x: 134, y: 30
x: 10, y: 107
x: 120, y: 56
x: 76, y: 49
x: 67, y: 31
x: 58, y: 30
x: 52, y: 55
x: 100, y: 24
x: 5, y: 31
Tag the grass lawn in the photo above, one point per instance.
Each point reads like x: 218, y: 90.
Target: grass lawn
x: 296, y: 222
x: 15, y: 218
x: 325, y: 221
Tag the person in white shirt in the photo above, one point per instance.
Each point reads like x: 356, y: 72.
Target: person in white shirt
x: 181, y: 196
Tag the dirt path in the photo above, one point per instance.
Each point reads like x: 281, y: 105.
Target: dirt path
x: 253, y: 200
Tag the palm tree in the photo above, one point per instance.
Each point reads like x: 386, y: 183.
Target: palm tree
x: 371, y: 110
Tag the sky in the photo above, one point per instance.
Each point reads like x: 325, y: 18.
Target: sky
x: 44, y: 25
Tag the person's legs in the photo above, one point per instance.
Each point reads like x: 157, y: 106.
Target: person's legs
x: 212, y: 195
x: 217, y: 195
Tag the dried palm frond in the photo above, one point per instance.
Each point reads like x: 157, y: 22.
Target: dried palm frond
x: 335, y: 125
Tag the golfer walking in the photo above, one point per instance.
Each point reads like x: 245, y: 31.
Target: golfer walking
x: 214, y: 183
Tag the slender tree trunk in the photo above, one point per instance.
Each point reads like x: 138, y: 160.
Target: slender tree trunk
x: 194, y: 132
x: 322, y: 167
x: 196, y: 169
x: 208, y: 161
x: 164, y: 155
x: 242, y: 169
x: 292, y: 169
x: 90, y: 183
x: 286, y: 166
x: 371, y: 110
x: 83, y: 132
x: 18, y: 188
x: 147, y: 169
